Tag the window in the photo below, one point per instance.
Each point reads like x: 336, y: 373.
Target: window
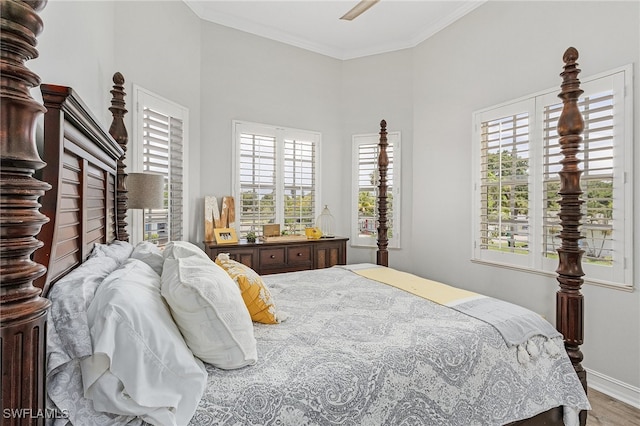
x: 364, y: 206
x: 160, y: 147
x: 275, y: 177
x: 504, y: 202
x: 516, y: 157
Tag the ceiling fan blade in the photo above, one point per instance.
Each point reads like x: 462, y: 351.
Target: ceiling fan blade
x: 359, y: 9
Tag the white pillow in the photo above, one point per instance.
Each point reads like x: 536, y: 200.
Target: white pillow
x: 116, y: 250
x: 150, y: 254
x: 140, y: 366
x: 209, y: 310
x: 182, y: 249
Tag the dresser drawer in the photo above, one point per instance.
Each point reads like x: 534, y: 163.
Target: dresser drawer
x: 272, y: 256
x: 299, y: 255
x: 246, y: 255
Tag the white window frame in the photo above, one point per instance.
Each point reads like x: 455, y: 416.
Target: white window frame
x: 620, y: 275
x: 280, y: 133
x: 141, y: 98
x: 518, y: 107
x: 395, y: 183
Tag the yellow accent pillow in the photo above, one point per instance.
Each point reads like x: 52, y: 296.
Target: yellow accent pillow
x: 254, y: 292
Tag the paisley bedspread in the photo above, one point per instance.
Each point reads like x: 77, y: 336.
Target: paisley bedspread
x: 357, y: 352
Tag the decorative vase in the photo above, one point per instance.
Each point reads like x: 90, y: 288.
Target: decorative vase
x: 326, y: 223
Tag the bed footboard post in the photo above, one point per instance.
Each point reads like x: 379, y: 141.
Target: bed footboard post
x: 22, y: 310
x: 569, y: 300
x: 382, y: 255
x: 119, y: 133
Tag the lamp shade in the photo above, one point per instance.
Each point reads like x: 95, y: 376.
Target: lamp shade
x: 145, y: 191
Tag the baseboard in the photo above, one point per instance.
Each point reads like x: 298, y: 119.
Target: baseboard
x: 614, y: 388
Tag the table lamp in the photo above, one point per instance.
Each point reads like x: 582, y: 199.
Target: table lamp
x: 145, y: 191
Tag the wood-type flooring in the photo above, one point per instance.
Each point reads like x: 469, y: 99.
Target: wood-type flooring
x: 607, y: 411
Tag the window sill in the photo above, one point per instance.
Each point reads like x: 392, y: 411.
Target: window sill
x: 375, y: 246
x: 599, y: 283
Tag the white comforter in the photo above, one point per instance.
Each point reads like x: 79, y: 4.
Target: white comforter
x: 358, y: 352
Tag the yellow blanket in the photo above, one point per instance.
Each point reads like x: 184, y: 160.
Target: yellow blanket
x: 427, y: 289
x: 515, y: 323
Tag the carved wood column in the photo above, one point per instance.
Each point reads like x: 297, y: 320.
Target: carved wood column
x: 22, y: 310
x: 382, y: 256
x: 569, y: 300
x: 119, y: 133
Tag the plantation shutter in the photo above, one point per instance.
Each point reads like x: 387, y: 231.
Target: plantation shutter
x: 299, y: 184
x: 364, y: 225
x: 367, y: 189
x: 176, y: 179
x: 257, y: 173
x: 163, y: 147
x: 275, y: 177
x: 368, y: 180
x: 596, y: 181
x: 517, y: 182
x: 504, y: 184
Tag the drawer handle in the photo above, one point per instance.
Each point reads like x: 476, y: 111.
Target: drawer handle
x: 272, y: 256
x: 299, y: 254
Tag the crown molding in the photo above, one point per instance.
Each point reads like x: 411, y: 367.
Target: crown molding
x: 266, y: 31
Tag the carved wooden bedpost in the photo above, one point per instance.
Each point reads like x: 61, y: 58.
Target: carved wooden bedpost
x: 22, y: 310
x: 569, y: 300
x: 382, y: 255
x: 119, y: 133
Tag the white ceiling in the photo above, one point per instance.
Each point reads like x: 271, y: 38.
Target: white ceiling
x: 315, y: 25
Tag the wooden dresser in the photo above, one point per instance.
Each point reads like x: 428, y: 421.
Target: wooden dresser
x: 273, y: 258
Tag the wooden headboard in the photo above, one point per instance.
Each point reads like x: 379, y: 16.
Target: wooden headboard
x: 85, y: 166
x: 81, y: 167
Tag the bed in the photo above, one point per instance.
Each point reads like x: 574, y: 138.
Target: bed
x: 348, y: 348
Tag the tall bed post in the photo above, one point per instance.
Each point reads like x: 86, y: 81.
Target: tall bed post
x: 119, y: 133
x: 382, y: 255
x: 22, y: 310
x: 569, y: 300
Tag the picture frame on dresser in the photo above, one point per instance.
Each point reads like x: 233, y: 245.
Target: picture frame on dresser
x: 225, y: 235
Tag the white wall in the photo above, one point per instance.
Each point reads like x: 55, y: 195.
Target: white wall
x: 501, y: 51
x: 375, y: 88
x: 77, y: 49
x: 153, y: 44
x: 245, y: 77
x: 158, y: 48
